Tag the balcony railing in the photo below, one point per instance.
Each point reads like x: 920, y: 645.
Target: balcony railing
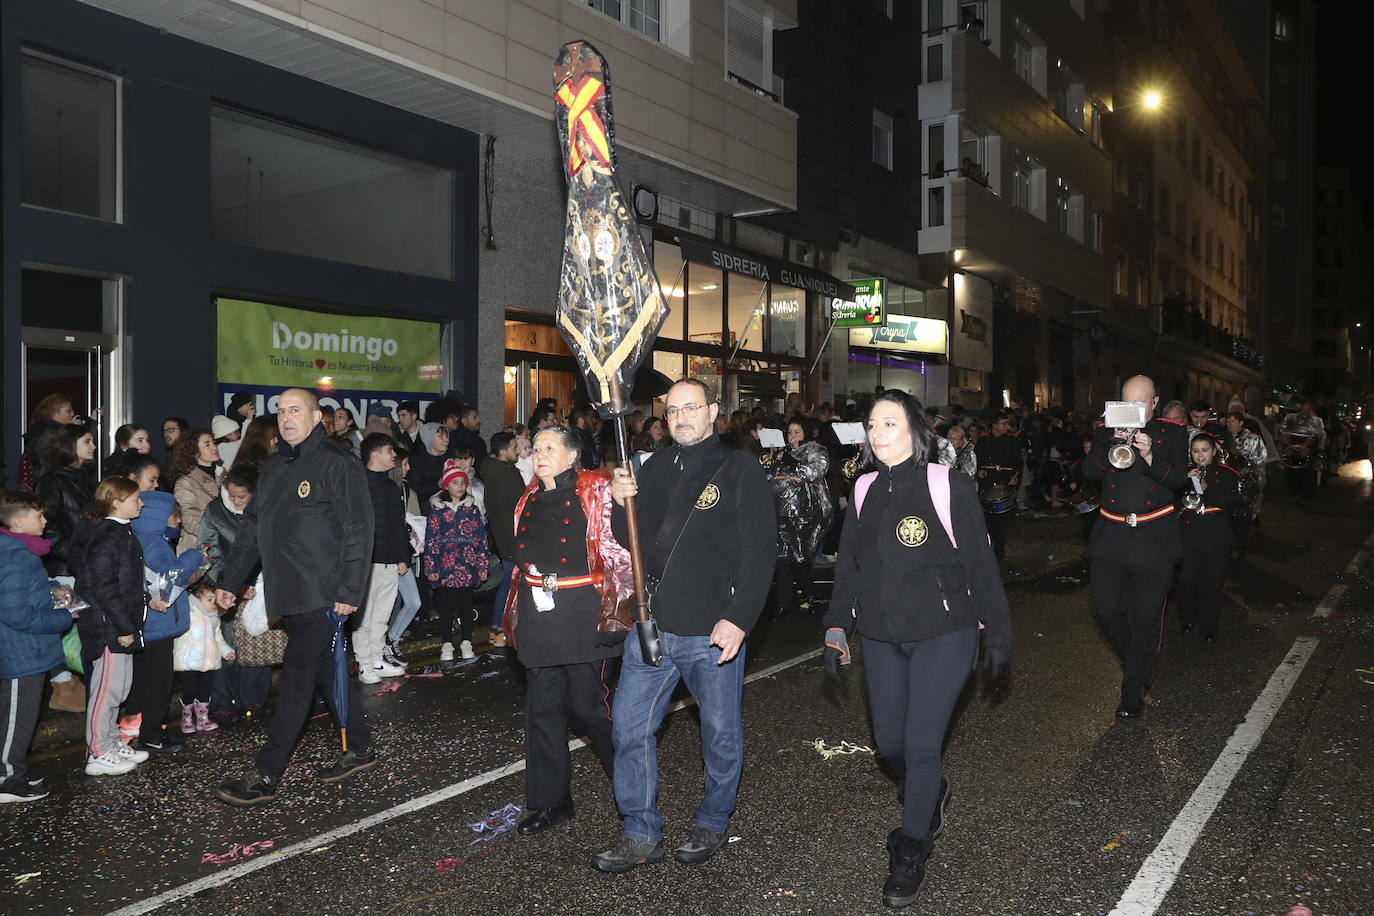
x: 1178, y: 320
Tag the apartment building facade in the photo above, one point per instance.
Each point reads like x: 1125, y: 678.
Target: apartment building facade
x: 1338, y: 368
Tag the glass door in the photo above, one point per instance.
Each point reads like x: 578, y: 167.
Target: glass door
x: 76, y: 364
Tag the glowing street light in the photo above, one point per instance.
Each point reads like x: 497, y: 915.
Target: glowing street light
x: 1152, y: 100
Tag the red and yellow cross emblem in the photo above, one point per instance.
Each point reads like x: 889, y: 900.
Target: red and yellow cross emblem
x: 584, y: 121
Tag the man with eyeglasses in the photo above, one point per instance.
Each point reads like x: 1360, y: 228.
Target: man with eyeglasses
x: 707, y: 533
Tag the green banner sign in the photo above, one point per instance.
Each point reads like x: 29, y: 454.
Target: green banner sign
x: 271, y: 346
x: 868, y: 309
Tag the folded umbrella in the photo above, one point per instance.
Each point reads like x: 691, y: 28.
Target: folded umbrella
x: 341, y: 673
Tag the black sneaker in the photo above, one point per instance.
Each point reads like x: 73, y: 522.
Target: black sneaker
x: 626, y: 854
x: 351, y: 762
x: 167, y: 745
x: 20, y: 792
x: 701, y: 845
x: 253, y: 789
x: 393, y: 655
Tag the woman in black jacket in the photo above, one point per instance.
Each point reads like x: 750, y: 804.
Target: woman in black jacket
x: 917, y: 596
x: 108, y: 563
x: 66, y: 490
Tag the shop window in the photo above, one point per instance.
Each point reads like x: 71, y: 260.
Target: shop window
x: 290, y: 190
x: 746, y: 309
x: 71, y: 131
x: 705, y: 295
x: 786, y: 321
x: 667, y: 264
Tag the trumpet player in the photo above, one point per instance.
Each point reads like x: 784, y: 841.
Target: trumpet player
x: 1207, y: 537
x: 1134, y: 546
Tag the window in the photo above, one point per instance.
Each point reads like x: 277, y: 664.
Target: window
x: 1061, y: 206
x: 1095, y: 230
x: 1120, y: 277
x: 286, y: 189
x: 71, y: 139
x: 1095, y: 127
x: 1028, y: 184
x: 1028, y: 57
x: 749, y: 49
x: 644, y: 16
x: 1280, y: 171
x: 1283, y: 27
x: 1068, y: 96
x: 786, y: 324
x: 1069, y: 211
x: 972, y: 151
x: 882, y: 139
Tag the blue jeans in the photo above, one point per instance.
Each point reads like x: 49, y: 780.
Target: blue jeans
x: 641, y: 701
x: 498, y: 610
x: 408, y: 603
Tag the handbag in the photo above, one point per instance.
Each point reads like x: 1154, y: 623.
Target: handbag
x: 258, y: 651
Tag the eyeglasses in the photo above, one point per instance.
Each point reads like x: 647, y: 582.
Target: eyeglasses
x: 687, y: 411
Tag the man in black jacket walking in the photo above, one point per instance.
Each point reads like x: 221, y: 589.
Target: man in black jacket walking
x: 709, y: 535
x: 505, y: 484
x: 310, y: 524
x: 390, y: 560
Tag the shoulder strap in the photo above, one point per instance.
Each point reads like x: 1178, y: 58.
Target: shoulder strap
x: 861, y: 490
x: 937, y: 479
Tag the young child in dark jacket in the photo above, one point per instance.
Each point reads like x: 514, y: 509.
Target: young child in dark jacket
x: 108, y: 563
x: 30, y: 637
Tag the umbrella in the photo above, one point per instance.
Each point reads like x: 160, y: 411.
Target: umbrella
x: 340, y: 674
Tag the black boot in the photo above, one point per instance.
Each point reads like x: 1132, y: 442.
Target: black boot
x: 906, y: 869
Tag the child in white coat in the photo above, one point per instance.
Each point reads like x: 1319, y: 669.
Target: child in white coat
x: 196, y: 654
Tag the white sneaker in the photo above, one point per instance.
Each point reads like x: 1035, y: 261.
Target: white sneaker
x: 369, y: 676
x: 386, y: 669
x: 446, y: 652
x: 129, y: 753
x: 108, y: 764
x: 465, y: 648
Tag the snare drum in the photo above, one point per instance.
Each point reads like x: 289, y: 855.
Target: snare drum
x: 1298, y: 453
x: 1085, y: 500
x: 998, y: 499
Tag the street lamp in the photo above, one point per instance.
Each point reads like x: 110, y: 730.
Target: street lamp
x: 1152, y: 100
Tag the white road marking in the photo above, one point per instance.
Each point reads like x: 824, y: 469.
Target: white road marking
x: 1152, y: 883
x: 1330, y: 602
x: 1356, y: 562
x: 234, y: 872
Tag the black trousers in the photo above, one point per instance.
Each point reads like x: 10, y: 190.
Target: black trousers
x: 308, y: 667
x: 556, y: 696
x: 1201, y: 583
x: 997, y: 531
x: 454, y: 602
x: 1240, y: 529
x: 1129, y: 601
x: 21, y: 698
x: 786, y: 575
x: 196, y: 686
x: 151, y: 691
x: 912, y: 688
x: 1302, y: 483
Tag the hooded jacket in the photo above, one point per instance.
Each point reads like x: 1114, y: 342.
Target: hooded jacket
x: 30, y: 627
x: 310, y: 526
x: 150, y: 528
x: 425, y: 467
x: 108, y: 563
x: 455, y: 543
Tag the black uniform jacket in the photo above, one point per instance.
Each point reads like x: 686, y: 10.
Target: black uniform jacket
x: 897, y: 570
x: 107, y: 561
x: 1141, y: 489
x: 997, y: 452
x: 1210, y: 530
x: 724, y: 559
x: 310, y: 524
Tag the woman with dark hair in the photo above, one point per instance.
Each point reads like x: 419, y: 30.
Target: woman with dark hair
x: 49, y: 415
x: 194, y: 477
x: 804, y: 512
x: 66, y: 489
x: 346, y: 433
x: 142, y: 470
x: 130, y: 440
x: 915, y: 575
x: 259, y: 442
x: 566, y: 617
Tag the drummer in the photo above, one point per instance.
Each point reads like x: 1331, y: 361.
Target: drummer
x: 998, y: 453
x: 1299, y: 431
x: 1086, y: 494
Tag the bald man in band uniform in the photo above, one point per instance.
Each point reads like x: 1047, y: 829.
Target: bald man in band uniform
x: 1136, y: 542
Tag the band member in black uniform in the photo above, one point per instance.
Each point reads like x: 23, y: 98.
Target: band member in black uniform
x: 1200, y: 421
x: 999, y: 466
x: 571, y: 579
x: 1134, y: 546
x: 1084, y: 495
x: 1207, y: 537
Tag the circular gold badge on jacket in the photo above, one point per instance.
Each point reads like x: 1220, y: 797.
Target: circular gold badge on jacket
x: 912, y: 531
x: 304, y: 489
x: 709, y: 496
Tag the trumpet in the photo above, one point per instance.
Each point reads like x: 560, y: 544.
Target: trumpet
x: 1121, y: 455
x: 1192, y: 501
x: 853, y: 466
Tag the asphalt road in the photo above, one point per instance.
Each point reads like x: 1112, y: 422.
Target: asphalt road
x: 1056, y: 805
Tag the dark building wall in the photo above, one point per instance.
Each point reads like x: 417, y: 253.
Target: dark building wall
x: 163, y: 249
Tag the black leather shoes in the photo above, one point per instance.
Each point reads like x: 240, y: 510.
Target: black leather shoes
x: 1132, y: 711
x: 541, y: 819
